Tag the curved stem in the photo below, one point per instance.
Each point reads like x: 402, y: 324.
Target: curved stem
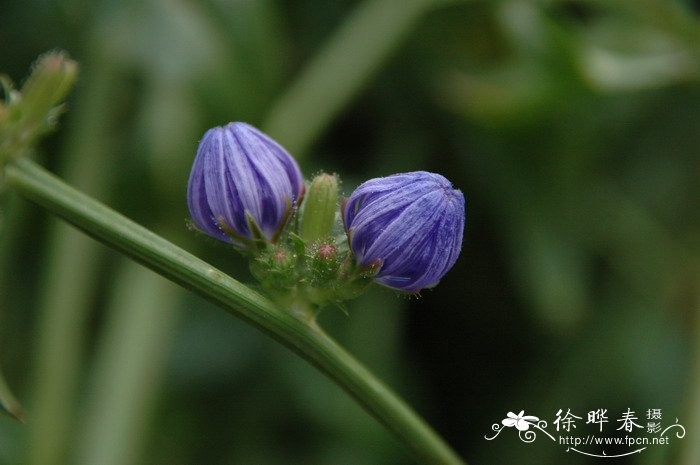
x: 347, y: 61
x: 9, y: 233
x: 690, y: 453
x: 306, y: 339
x: 70, y: 271
x: 127, y: 377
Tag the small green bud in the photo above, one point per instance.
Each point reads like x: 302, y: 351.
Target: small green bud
x: 51, y: 79
x: 319, y: 208
x: 27, y: 114
x: 324, y: 264
x: 275, y: 268
x: 327, y: 251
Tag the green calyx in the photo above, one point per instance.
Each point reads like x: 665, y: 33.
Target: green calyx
x: 319, y: 273
x: 276, y: 268
x: 310, y: 262
x: 306, y: 263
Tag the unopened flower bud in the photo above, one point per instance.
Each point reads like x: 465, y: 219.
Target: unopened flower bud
x: 324, y: 264
x: 27, y: 114
x: 327, y: 251
x: 51, y: 79
x: 275, y: 268
x: 409, y: 225
x: 243, y: 185
x: 319, y: 208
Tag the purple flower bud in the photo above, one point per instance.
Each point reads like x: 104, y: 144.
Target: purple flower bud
x: 243, y: 184
x: 411, y: 224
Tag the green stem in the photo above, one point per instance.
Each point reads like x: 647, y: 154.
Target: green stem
x: 10, y: 231
x: 347, y: 61
x: 307, y: 340
x: 70, y: 274
x: 127, y: 377
x: 690, y: 454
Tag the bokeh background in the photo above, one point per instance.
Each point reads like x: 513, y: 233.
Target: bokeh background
x: 572, y: 127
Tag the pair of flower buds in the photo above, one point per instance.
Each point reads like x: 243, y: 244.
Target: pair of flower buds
x: 407, y: 227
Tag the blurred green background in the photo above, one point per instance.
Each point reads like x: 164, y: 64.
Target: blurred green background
x: 572, y: 127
